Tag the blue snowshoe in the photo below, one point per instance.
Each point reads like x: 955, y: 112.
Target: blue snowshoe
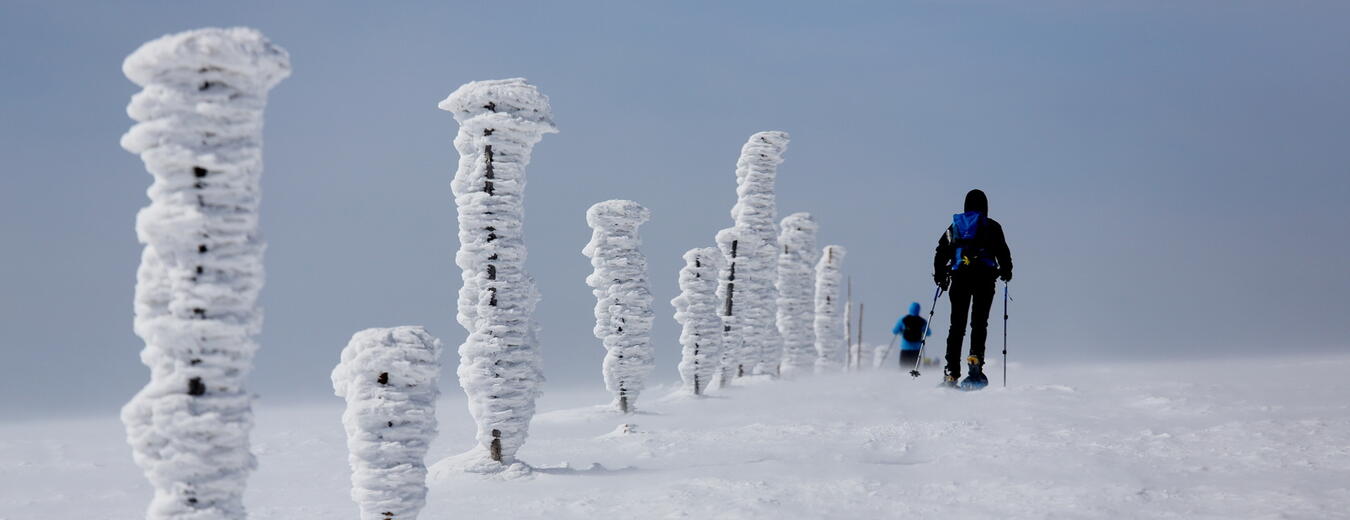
x: 976, y: 380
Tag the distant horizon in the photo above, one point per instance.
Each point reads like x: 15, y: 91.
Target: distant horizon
x: 1163, y: 172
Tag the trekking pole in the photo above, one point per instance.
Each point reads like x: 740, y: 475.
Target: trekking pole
x: 1005, y: 334
x: 924, y: 342
x: 887, y: 353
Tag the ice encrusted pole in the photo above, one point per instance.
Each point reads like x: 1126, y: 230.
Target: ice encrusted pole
x: 623, y: 299
x: 199, y: 131
x: 500, y: 122
x: 829, y: 322
x: 756, y: 215
x: 734, y: 355
x: 696, y: 311
x: 388, y: 377
x: 797, y: 259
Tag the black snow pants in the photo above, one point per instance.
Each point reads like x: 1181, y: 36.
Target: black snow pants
x: 972, y: 295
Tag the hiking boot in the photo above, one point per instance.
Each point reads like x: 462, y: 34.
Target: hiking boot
x: 976, y: 380
x: 948, y: 381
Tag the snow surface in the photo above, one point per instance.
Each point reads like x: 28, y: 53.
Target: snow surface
x: 500, y: 122
x: 623, y: 299
x: 388, y: 378
x: 797, y: 257
x: 199, y: 132
x: 1219, y: 439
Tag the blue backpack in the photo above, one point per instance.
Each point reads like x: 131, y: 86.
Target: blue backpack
x: 963, y: 235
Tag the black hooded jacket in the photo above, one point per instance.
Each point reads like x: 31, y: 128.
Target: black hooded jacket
x: 989, y: 238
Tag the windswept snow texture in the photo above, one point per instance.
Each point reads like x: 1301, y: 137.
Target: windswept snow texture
x: 200, y: 134
x: 729, y: 293
x: 388, y: 377
x: 797, y: 257
x: 829, y: 324
x: 756, y: 214
x: 1263, y: 438
x: 696, y: 311
x: 500, y: 122
x: 623, y: 299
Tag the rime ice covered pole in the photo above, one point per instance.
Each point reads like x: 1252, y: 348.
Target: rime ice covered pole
x: 199, y: 131
x: 729, y: 294
x: 388, y: 377
x: 756, y: 215
x: 829, y: 324
x: 500, y: 122
x: 623, y: 300
x: 696, y: 311
x: 797, y: 257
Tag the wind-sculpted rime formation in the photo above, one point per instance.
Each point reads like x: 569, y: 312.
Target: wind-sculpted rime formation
x: 623, y: 300
x: 829, y: 323
x: 199, y: 131
x: 729, y: 295
x: 388, y: 377
x: 797, y: 259
x: 696, y: 310
x: 756, y: 214
x: 500, y: 122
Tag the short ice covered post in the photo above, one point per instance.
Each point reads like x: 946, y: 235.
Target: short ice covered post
x: 623, y: 300
x: 388, y: 377
x: 500, y: 122
x: 797, y: 256
x: 829, y: 323
x: 696, y: 311
x: 199, y: 131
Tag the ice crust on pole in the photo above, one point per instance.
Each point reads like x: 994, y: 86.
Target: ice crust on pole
x: 199, y: 132
x: 701, y: 327
x: 388, y: 377
x: 829, y: 322
x: 729, y: 296
x: 500, y: 122
x: 756, y: 215
x: 623, y: 298
x: 797, y: 259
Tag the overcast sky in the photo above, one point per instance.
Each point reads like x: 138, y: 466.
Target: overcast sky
x: 1172, y: 178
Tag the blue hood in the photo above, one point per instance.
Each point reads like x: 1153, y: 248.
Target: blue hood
x: 914, y: 309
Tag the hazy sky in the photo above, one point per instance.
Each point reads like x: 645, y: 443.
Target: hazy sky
x: 1172, y: 178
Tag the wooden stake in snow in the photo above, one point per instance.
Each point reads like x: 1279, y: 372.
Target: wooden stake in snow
x: 200, y: 134
x: 623, y: 300
x: 499, y: 123
x: 830, y: 339
x: 388, y: 377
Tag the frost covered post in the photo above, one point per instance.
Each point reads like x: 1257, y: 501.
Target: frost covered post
x: 829, y: 323
x: 733, y: 356
x: 500, y: 122
x: 796, y: 292
x: 388, y: 377
x: 756, y: 215
x: 696, y: 311
x: 623, y: 300
x: 200, y: 134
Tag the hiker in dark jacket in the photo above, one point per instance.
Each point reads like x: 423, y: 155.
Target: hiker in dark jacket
x: 970, y: 256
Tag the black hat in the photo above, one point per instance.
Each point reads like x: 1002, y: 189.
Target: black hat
x: 976, y: 201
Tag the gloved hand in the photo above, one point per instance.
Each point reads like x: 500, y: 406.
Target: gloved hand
x: 1005, y: 275
x: 942, y: 279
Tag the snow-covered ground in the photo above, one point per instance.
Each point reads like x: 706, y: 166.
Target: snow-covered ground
x: 1225, y: 439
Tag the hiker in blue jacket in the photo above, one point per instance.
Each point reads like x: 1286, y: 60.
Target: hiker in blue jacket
x: 971, y: 255
x: 912, y: 329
